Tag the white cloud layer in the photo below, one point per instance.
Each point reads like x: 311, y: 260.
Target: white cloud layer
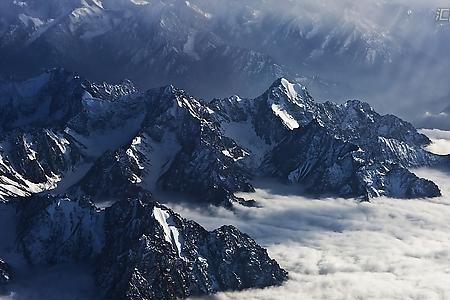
x: 440, y: 141
x: 341, y: 249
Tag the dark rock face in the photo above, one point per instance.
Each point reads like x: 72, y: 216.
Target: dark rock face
x: 112, y: 177
x: 290, y: 106
x: 102, y: 142
x: 319, y: 161
x: 177, y: 148
x: 48, y: 99
x: 143, y: 250
x: 325, y: 165
x: 43, y: 142
x: 32, y: 161
x: 403, y: 184
x: 201, y: 167
x: 56, y: 230
x: 169, y: 257
x: 118, y: 142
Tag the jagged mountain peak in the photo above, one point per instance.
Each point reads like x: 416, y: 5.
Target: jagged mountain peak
x: 167, y: 256
x: 111, y: 92
x: 293, y: 90
x: 282, y: 98
x: 362, y: 106
x: 171, y: 102
x: 290, y: 102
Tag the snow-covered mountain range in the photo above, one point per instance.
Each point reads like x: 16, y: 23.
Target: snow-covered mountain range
x: 84, y: 164
x: 340, y: 51
x: 80, y: 162
x: 63, y: 134
x: 166, y: 41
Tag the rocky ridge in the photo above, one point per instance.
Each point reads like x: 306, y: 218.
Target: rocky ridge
x: 121, y: 142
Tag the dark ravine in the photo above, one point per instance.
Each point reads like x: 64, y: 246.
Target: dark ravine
x: 143, y: 250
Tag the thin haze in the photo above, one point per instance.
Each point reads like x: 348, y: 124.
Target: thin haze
x: 407, y: 85
x: 410, y: 80
x: 413, y: 78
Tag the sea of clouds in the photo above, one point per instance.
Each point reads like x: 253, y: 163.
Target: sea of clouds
x: 343, y: 249
x: 440, y: 140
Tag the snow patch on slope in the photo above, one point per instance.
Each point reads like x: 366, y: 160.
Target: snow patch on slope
x: 171, y: 233
x: 198, y: 10
x: 19, y: 186
x: 292, y: 89
x: 96, y: 142
x: 139, y: 2
x: 30, y: 87
x: 288, y: 120
x: 30, y: 21
x: 160, y: 156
